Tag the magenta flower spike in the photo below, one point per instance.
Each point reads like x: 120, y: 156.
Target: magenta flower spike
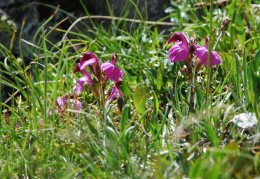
x: 86, y: 74
x: 180, y: 49
x: 91, y: 62
x: 59, y: 103
x: 88, y: 59
x: 202, y: 54
x: 115, y: 91
x: 112, y: 71
x: 63, y: 104
x: 74, y: 103
x: 59, y: 106
x: 79, y: 88
x: 114, y: 58
x: 87, y: 56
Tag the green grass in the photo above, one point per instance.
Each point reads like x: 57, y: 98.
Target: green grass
x: 158, y: 134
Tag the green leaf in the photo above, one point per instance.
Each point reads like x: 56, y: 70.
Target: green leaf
x: 240, y: 31
x: 140, y: 99
x: 159, y: 79
x: 126, y: 89
x: 154, y: 125
x: 232, y: 7
x: 124, y: 117
x: 257, y: 60
x: 195, y: 168
x: 128, y: 76
x: 238, y: 81
x: 91, y: 127
x: 183, y: 163
x: 155, y: 104
x: 245, y: 77
x: 232, y: 146
x: 211, y: 135
x: 256, y: 86
x: 198, y: 93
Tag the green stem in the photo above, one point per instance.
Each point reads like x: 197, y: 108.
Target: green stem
x: 220, y: 35
x: 209, y: 50
x: 1, y: 102
x: 192, y: 90
x: 45, y: 75
x: 160, y: 129
x: 54, y: 95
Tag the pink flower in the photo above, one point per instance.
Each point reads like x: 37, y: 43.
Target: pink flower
x: 112, y: 71
x: 115, y: 93
x: 74, y: 102
x: 202, y: 54
x: 62, y: 105
x: 81, y: 81
x: 180, y: 49
x: 79, y: 88
x: 89, y: 60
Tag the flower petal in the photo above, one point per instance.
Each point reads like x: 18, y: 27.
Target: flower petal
x: 214, y: 58
x: 75, y: 104
x: 87, y: 56
x: 84, y: 80
x: 207, y: 42
x: 179, y: 37
x: 79, y: 88
x: 65, y: 99
x: 115, y: 91
x: 202, y: 54
x: 177, y: 52
x: 77, y: 68
x: 90, y: 62
x: 59, y: 103
x: 114, y: 58
x: 112, y: 71
x: 87, y: 77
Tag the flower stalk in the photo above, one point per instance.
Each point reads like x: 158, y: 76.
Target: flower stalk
x: 182, y: 50
x: 101, y: 74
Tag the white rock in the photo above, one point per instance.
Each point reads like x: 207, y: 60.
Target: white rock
x: 245, y: 120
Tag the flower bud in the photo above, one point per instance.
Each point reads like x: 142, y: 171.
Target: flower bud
x: 198, y: 64
x: 225, y: 23
x: 19, y: 61
x: 192, y: 46
x: 120, y: 102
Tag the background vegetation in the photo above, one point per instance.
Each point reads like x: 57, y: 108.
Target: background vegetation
x: 165, y: 137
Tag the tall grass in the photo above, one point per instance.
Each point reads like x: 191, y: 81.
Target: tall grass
x: 158, y: 133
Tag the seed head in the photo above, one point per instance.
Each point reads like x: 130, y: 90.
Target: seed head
x: 225, y: 23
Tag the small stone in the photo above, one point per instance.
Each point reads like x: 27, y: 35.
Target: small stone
x: 245, y: 120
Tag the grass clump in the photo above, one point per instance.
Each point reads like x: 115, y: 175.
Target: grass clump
x: 161, y: 121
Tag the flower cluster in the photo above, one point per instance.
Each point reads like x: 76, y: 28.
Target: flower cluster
x: 62, y: 105
x: 182, y: 50
x: 96, y: 80
x: 101, y: 73
x: 115, y: 74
